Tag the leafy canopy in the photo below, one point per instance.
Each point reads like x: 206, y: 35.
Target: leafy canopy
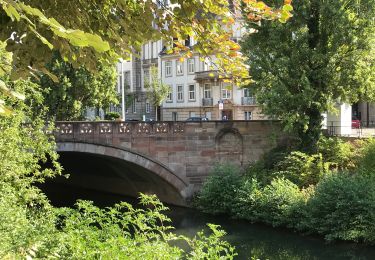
x: 324, y: 54
x: 77, y: 89
x: 86, y: 31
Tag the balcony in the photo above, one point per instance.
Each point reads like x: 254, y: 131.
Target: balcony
x: 203, y: 75
x: 149, y: 62
x: 207, y: 102
x: 248, y: 101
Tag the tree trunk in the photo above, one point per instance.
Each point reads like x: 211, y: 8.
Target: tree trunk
x: 310, y: 136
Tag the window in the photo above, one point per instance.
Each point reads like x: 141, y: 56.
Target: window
x: 146, y: 77
x: 174, y: 116
x: 148, y: 107
x: 170, y: 95
x: 248, y: 115
x: 138, y: 79
x: 191, y: 114
x: 179, y: 68
x: 191, y: 65
x: 134, y: 106
x: 119, y: 83
x: 246, y: 92
x: 207, y: 64
x: 192, y: 92
x: 168, y: 68
x: 226, y: 92
x: 127, y: 79
x: 180, y: 93
x: 188, y: 42
x: 207, y: 90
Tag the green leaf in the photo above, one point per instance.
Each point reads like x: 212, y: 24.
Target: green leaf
x: 288, y: 7
x: 9, y: 92
x: 4, y: 111
x: 97, y: 43
x: 43, y: 40
x: 17, y: 95
x: 51, y: 75
x: 11, y: 12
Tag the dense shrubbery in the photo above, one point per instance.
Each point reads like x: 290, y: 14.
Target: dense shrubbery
x: 301, y: 168
x: 366, y: 160
x: 331, y: 193
x: 273, y: 204
x: 31, y: 228
x: 112, y: 116
x: 217, y: 195
x: 342, y: 207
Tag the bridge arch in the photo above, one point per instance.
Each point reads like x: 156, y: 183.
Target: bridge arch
x: 172, y: 189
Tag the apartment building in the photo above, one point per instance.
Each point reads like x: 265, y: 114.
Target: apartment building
x: 195, y: 87
x: 198, y: 91
x: 132, y: 76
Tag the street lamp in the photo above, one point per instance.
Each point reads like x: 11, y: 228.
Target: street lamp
x: 122, y: 89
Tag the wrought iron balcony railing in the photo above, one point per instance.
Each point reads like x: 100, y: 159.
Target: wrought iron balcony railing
x: 245, y: 101
x: 207, y: 102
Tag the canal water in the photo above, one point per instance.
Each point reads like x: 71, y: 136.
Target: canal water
x: 251, y: 240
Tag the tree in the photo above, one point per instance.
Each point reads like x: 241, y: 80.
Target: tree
x: 157, y: 91
x: 77, y: 89
x: 324, y: 54
x: 87, y: 31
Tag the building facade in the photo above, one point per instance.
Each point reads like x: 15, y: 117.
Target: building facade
x: 132, y: 77
x: 196, y: 90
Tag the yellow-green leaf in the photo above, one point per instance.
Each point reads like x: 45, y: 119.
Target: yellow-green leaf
x: 4, y: 111
x: 11, y: 12
x: 288, y: 7
x: 51, y: 75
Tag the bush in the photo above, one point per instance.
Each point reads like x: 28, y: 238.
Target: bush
x: 245, y: 200
x: 366, y: 162
x: 262, y: 170
x: 343, y: 207
x: 301, y: 168
x: 112, y: 116
x: 278, y: 203
x: 219, y: 191
x: 259, y: 172
x: 125, y: 232
x: 338, y: 154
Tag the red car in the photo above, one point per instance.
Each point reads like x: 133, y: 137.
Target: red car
x: 356, y: 123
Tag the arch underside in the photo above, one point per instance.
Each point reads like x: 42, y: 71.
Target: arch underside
x: 120, y: 171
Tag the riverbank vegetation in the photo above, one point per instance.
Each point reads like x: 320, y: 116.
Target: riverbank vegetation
x: 91, y: 36
x: 330, y: 193
x: 30, y: 227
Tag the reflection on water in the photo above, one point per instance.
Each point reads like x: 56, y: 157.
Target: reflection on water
x: 250, y: 240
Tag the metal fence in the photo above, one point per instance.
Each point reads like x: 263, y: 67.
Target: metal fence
x: 335, y: 129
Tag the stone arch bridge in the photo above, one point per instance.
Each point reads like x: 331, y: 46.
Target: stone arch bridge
x: 170, y: 159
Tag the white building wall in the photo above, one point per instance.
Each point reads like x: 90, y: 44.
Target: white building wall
x: 122, y: 67
x: 185, y: 79
x: 340, y: 123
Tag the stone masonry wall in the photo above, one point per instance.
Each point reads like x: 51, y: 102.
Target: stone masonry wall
x: 189, y: 149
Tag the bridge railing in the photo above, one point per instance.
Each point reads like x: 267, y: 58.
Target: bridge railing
x: 87, y: 131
